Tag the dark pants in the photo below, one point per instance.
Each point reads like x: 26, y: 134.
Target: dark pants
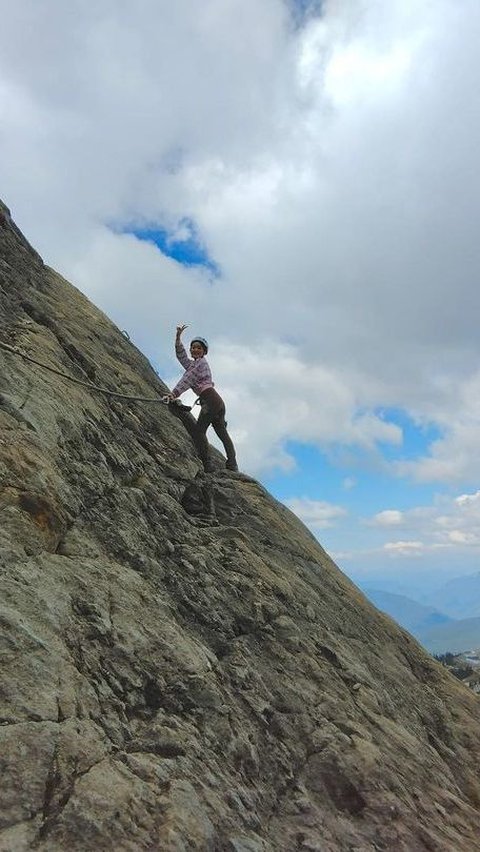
x: 212, y: 413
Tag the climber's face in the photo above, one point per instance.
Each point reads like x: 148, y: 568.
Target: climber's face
x: 196, y: 350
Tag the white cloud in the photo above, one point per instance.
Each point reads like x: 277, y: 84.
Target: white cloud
x: 316, y: 514
x: 460, y: 537
x: 439, y: 541
x: 387, y: 518
x: 404, y: 548
x: 449, y: 522
x: 454, y: 457
x: 466, y: 500
x: 272, y: 396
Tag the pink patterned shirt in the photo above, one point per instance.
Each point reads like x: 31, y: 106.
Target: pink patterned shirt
x: 197, y: 373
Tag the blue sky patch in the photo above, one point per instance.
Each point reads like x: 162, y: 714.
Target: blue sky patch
x: 354, y: 482
x: 302, y: 10
x: 183, y: 245
x: 355, y: 485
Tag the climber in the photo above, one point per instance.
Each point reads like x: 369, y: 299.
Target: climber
x: 198, y: 376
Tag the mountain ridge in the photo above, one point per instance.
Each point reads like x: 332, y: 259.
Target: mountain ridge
x: 409, y: 613
x: 460, y: 596
x: 184, y: 667
x: 458, y: 636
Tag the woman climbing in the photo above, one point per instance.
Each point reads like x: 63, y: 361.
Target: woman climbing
x: 198, y: 376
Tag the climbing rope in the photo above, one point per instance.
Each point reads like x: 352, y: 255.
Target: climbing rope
x: 166, y: 400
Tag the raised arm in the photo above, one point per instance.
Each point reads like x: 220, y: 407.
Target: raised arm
x: 180, y: 351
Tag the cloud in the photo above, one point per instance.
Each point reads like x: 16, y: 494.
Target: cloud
x: 460, y: 537
x: 273, y: 396
x: 387, y: 518
x: 438, y: 541
x: 316, y: 514
x: 468, y: 500
x: 329, y: 167
x: 454, y: 456
x: 404, y: 548
x: 448, y: 523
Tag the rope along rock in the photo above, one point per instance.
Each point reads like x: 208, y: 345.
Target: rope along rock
x: 15, y: 351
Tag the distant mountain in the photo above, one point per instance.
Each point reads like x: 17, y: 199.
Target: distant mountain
x: 413, y: 616
x: 435, y: 630
x: 456, y: 636
x: 460, y: 597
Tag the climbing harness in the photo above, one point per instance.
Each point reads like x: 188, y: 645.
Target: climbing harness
x: 166, y: 399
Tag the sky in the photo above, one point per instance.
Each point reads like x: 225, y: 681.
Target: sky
x: 299, y: 182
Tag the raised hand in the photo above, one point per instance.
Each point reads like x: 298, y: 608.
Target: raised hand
x: 181, y: 329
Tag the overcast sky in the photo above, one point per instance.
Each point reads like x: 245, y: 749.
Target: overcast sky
x: 323, y: 158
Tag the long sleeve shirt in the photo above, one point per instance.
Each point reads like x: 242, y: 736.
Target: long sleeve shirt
x: 197, y: 373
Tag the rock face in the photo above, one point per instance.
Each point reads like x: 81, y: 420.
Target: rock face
x: 182, y: 665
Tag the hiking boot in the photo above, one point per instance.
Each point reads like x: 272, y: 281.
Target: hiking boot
x: 232, y: 465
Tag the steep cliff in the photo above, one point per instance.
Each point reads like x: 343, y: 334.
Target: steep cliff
x: 182, y: 665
